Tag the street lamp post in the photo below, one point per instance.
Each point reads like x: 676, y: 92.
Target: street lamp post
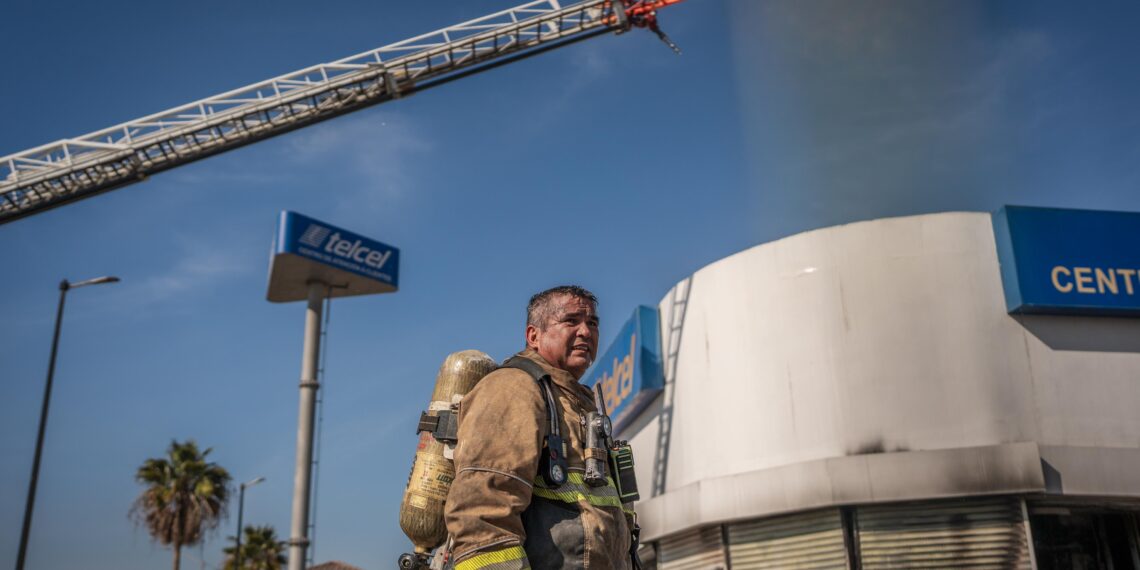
x: 241, y: 507
x: 29, y: 506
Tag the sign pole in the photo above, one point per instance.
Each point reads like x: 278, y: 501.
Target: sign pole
x: 313, y: 260
x: 299, y: 540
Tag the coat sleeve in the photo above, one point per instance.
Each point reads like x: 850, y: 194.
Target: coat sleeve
x: 500, y: 439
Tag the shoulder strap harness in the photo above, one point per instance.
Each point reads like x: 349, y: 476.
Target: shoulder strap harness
x: 552, y: 466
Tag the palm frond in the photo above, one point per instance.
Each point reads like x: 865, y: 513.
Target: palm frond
x: 183, y: 497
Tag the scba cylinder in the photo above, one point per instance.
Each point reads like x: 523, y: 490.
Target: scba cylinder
x: 421, y: 513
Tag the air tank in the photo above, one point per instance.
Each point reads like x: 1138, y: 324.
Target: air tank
x: 421, y: 512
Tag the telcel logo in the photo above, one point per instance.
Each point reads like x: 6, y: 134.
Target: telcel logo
x: 315, y: 236
x: 356, y: 252
x: 618, y: 383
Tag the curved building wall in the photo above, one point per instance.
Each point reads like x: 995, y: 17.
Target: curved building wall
x: 876, y: 362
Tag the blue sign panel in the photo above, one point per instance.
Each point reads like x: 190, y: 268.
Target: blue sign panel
x: 307, y: 250
x: 1057, y: 261
x: 630, y: 370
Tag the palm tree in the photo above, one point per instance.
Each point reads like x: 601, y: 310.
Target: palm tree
x: 260, y: 550
x: 185, y: 496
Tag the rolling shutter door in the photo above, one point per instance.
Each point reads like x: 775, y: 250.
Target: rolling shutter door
x: 648, y: 555
x: 695, y: 550
x: 984, y: 533
x: 806, y: 540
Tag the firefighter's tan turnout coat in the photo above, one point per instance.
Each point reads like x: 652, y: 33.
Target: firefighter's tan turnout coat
x: 499, y: 512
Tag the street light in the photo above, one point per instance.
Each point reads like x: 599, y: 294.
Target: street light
x: 29, y: 506
x: 241, y: 507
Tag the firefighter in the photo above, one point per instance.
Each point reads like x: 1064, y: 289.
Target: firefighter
x: 511, y: 506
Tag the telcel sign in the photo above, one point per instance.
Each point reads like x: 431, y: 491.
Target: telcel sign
x: 630, y: 370
x: 307, y: 250
x: 1057, y: 261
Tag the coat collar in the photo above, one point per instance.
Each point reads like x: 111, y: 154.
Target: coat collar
x: 560, y: 377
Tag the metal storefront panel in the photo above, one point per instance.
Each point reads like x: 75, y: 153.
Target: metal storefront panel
x: 805, y: 540
x: 694, y: 550
x: 981, y: 533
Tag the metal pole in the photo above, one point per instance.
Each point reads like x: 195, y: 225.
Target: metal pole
x: 31, y: 501
x: 302, y: 472
x: 241, y: 510
x: 241, y: 507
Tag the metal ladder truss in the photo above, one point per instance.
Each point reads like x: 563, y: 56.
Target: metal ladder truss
x: 76, y: 168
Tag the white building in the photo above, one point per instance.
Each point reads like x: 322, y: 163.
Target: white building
x: 859, y: 397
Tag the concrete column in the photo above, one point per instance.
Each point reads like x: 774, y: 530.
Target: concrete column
x: 302, y: 477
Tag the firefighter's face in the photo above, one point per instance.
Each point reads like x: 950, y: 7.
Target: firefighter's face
x: 570, y: 339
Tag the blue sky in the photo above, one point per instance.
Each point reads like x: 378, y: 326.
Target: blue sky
x: 613, y: 163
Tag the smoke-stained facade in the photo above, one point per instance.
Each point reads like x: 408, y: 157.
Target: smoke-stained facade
x: 858, y: 396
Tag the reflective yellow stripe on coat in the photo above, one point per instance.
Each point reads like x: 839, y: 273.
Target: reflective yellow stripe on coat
x: 576, y: 490
x: 513, y: 558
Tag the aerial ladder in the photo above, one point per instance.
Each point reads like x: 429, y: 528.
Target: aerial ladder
x: 72, y: 169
